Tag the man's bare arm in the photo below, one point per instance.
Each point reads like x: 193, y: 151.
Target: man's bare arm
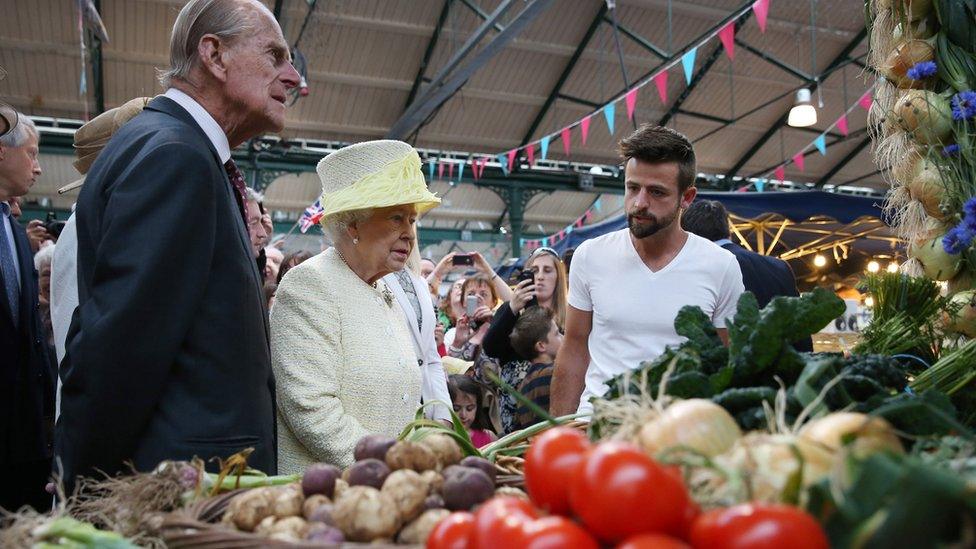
x: 569, y: 375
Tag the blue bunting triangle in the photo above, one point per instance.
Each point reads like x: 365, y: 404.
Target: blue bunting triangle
x: 688, y: 63
x: 760, y: 185
x: 430, y: 170
x: 609, y: 112
x: 503, y: 160
x: 544, y: 146
x: 821, y: 144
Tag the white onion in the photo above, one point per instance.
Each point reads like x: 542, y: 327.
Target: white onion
x: 768, y: 462
x: 925, y: 115
x: 696, y: 423
x: 873, y: 434
x: 928, y: 187
x: 936, y: 262
x: 964, y: 321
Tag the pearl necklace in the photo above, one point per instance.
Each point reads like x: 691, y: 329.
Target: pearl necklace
x: 387, y: 294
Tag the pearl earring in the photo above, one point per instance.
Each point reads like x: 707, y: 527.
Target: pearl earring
x: 355, y: 241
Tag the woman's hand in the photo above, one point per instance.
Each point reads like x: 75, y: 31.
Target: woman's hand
x: 439, y: 334
x: 443, y: 267
x: 524, y: 292
x: 479, y: 334
x: 462, y: 332
x: 483, y: 315
x: 481, y: 264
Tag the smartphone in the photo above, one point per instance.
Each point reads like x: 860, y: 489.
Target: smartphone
x: 463, y: 259
x: 470, y: 305
x: 528, y: 274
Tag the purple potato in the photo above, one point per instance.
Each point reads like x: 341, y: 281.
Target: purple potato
x: 368, y: 472
x: 480, y: 463
x: 324, y: 534
x: 433, y: 502
x: 467, y: 488
x: 323, y: 514
x: 373, y: 446
x: 320, y: 478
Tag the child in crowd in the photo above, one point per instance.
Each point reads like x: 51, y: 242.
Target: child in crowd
x: 468, y: 398
x: 536, y: 338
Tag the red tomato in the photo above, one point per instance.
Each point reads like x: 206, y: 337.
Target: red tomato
x: 552, y: 461
x: 621, y: 492
x: 653, y: 541
x: 557, y: 532
x: 454, y: 532
x: 500, y: 522
x: 758, y: 526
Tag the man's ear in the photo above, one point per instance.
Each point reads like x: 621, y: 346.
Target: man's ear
x: 688, y: 196
x: 213, y: 53
x: 540, y: 347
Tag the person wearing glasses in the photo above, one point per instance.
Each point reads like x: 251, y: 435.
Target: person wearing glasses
x: 627, y: 287
x: 546, y: 288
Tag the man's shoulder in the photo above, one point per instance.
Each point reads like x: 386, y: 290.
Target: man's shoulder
x: 605, y: 243
x: 707, y: 248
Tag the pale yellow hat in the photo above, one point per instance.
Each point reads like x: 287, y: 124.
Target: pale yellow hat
x: 373, y: 174
x: 91, y: 138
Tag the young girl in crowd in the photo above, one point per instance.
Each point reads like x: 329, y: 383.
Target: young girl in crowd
x: 468, y: 398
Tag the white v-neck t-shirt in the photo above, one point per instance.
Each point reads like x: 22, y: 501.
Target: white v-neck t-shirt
x: 634, y: 307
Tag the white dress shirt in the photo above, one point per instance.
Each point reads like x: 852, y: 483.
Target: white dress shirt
x: 203, y: 119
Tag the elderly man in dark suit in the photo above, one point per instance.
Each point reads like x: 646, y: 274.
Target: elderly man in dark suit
x: 766, y: 277
x: 168, y: 354
x: 26, y: 373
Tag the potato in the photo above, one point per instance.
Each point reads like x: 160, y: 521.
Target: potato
x: 264, y: 527
x: 247, y: 510
x: 324, y: 534
x: 467, y: 488
x: 319, y: 478
x: 323, y: 514
x: 368, y: 472
x: 372, y: 446
x: 410, y: 455
x: 340, y: 488
x: 480, y: 463
x: 288, y: 501
x: 434, y: 481
x: 289, y: 529
x: 409, y: 491
x: 418, y: 531
x: 509, y: 491
x: 312, y: 503
x: 445, y: 449
x: 434, y: 501
x: 365, y: 514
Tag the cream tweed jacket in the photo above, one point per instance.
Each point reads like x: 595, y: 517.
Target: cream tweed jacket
x: 344, y: 364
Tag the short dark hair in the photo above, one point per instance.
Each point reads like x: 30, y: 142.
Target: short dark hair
x: 532, y: 326
x: 656, y: 144
x: 706, y: 218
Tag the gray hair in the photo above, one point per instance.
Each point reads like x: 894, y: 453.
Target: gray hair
x: 226, y: 19
x: 44, y: 257
x: 21, y: 133
x: 253, y: 195
x: 336, y: 225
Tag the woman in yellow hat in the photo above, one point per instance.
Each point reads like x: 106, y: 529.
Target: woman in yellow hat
x: 344, y: 362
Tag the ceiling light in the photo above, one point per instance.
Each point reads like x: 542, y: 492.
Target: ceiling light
x: 803, y: 113
x: 873, y: 266
x: 893, y: 267
x: 819, y: 260
x: 869, y: 302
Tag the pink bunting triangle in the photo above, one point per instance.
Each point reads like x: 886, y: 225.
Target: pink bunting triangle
x: 450, y: 170
x: 761, y: 7
x: 727, y: 36
x: 865, y: 101
x: 484, y: 163
x: 587, y: 216
x: 474, y: 169
x: 511, y: 159
x: 661, y: 81
x: 842, y: 125
x: 799, y: 159
x: 530, y: 152
x: 440, y: 170
x: 631, y: 100
x: 780, y: 173
x: 565, y: 136
x: 585, y: 128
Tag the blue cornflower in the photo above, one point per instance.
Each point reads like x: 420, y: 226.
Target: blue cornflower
x: 923, y: 70
x: 953, y: 242
x: 950, y: 150
x: 964, y: 105
x: 969, y: 208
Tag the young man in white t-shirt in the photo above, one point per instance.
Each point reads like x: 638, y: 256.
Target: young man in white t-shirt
x: 626, y: 287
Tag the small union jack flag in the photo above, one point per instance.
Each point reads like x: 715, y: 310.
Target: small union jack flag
x: 311, y: 216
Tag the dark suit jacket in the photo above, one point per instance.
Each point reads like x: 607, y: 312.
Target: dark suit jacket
x: 767, y: 277
x: 26, y: 376
x: 167, y: 353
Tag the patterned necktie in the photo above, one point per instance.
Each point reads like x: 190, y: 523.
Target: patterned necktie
x: 237, y: 180
x: 9, y: 270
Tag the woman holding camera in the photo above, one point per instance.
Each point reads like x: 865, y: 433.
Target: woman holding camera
x: 465, y: 261
x: 543, y: 283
